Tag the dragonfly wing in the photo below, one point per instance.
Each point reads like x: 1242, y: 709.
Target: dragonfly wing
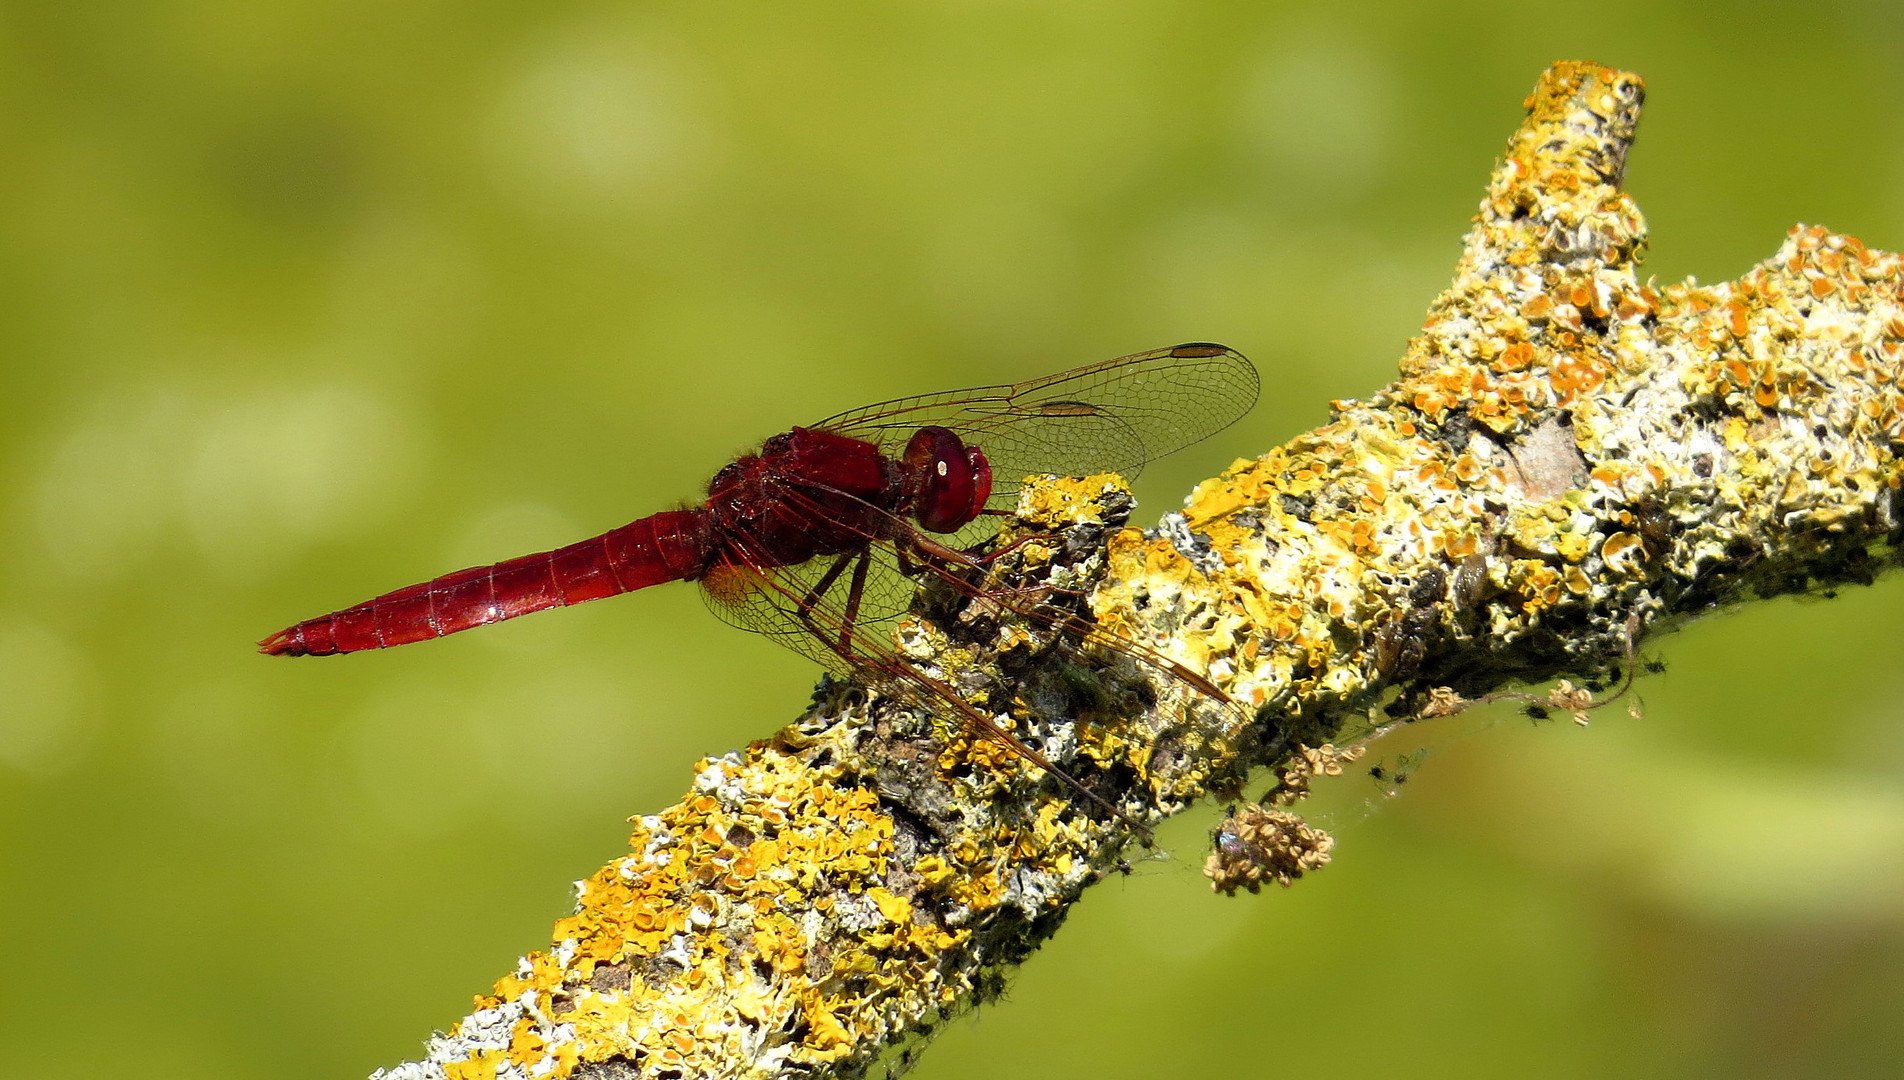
x: 761, y: 603
x: 1107, y: 417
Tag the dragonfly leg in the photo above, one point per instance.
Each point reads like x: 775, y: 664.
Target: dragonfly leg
x: 855, y: 592
x: 947, y: 561
x: 998, y: 553
x: 906, y: 565
x: 821, y: 587
x: 838, y: 639
x: 944, y: 552
x: 973, y: 559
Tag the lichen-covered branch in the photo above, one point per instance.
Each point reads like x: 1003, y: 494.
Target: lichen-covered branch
x: 1571, y: 455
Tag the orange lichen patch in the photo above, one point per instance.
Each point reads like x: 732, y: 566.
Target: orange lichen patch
x: 1217, y: 498
x: 527, y: 1046
x: 984, y: 889
x: 1455, y: 546
x: 1622, y: 551
x: 780, y: 946
x: 1131, y: 550
x: 1613, y: 475
x: 1520, y: 355
x: 1059, y: 502
x: 1356, y: 534
x: 1560, y: 528
x: 482, y: 1066
x: 1246, y: 484
x: 1576, y: 374
x: 979, y: 750
x: 828, y: 1037
x: 1538, y: 584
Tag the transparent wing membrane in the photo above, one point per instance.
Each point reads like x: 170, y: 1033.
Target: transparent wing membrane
x: 1108, y: 417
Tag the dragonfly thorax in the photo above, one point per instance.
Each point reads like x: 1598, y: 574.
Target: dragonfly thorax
x: 807, y: 493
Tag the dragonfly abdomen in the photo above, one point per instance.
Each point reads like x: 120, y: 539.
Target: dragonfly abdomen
x: 668, y: 546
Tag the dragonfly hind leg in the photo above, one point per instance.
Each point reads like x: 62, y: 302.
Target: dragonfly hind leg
x: 838, y: 639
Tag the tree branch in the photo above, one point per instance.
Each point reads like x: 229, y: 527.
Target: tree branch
x: 1570, y: 458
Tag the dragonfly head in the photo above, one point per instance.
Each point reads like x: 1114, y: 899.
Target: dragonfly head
x: 947, y: 480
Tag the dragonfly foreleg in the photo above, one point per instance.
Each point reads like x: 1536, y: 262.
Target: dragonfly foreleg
x: 945, y: 553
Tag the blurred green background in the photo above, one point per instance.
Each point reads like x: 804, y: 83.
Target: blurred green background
x: 301, y: 302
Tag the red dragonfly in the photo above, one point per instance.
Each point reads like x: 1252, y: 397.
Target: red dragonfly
x: 813, y: 539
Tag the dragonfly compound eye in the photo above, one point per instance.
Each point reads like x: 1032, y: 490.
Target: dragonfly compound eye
x: 950, y: 481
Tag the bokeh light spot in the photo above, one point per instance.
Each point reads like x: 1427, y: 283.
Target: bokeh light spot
x: 43, y: 697
x: 602, y: 118
x: 1317, y: 116
x: 276, y: 471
